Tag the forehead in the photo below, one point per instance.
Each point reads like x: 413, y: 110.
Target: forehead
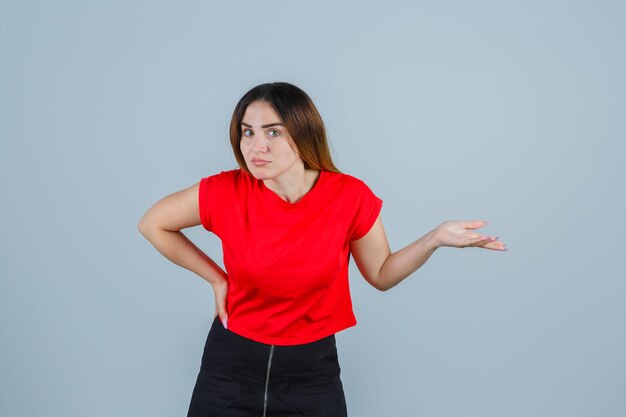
x: 260, y: 112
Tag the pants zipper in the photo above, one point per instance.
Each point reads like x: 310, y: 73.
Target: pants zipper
x: 267, y: 378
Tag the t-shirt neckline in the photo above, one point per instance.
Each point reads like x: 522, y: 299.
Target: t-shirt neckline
x: 298, y: 203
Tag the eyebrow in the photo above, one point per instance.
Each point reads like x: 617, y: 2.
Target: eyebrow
x: 268, y: 125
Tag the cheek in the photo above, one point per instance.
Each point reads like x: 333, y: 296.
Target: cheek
x: 286, y: 150
x: 293, y: 153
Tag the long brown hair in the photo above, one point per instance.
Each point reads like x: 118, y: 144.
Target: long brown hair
x: 300, y: 116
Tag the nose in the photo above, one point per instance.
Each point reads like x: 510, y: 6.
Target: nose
x: 259, y: 144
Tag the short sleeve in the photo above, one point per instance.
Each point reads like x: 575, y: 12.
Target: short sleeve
x: 213, y: 193
x: 204, y: 201
x: 367, y: 210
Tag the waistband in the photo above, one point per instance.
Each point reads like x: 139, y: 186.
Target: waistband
x: 292, y: 359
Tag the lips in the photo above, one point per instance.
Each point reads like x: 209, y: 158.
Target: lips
x: 259, y: 162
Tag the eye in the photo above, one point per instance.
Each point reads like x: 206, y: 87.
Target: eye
x: 275, y: 131
x: 245, y: 132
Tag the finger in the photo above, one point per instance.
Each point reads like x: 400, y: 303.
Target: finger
x: 480, y: 240
x: 223, y: 316
x: 499, y: 246
x: 475, y: 224
x: 477, y: 237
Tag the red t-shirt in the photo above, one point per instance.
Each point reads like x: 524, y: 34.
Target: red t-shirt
x: 287, y: 263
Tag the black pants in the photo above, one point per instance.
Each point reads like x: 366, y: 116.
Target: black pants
x: 240, y: 377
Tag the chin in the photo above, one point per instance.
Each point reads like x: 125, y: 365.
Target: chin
x: 258, y: 175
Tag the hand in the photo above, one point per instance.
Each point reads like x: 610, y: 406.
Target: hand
x: 220, y: 289
x: 460, y: 234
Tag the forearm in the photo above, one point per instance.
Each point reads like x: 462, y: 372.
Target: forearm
x: 407, y: 260
x: 176, y: 247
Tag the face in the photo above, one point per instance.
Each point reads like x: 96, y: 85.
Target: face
x: 266, y: 146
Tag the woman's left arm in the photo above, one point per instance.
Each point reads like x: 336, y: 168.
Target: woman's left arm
x: 384, y: 270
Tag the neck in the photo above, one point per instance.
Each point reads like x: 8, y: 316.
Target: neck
x: 293, y: 187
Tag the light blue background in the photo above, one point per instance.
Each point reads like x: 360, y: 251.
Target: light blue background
x: 511, y: 112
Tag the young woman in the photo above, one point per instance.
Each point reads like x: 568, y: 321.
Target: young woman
x: 288, y: 220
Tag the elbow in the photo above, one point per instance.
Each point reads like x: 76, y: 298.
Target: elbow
x: 380, y: 285
x: 384, y: 283
x: 142, y: 229
x: 385, y: 288
x: 143, y: 226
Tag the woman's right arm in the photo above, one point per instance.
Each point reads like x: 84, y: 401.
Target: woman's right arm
x: 162, y: 225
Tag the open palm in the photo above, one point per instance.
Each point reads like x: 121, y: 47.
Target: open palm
x: 462, y: 234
